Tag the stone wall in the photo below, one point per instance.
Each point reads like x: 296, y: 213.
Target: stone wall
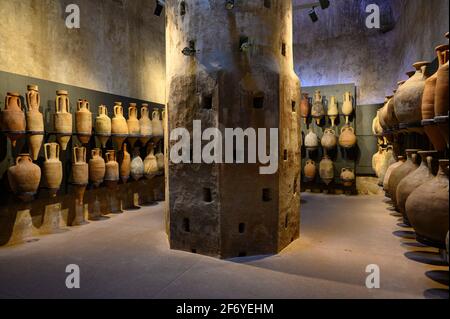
x: 340, y: 49
x: 118, y: 49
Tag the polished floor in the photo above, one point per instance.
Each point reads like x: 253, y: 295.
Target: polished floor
x: 127, y: 256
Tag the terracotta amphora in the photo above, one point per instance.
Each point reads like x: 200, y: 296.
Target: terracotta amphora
x: 145, y: 124
x: 133, y: 124
x: 305, y: 107
x: 137, y: 166
x: 12, y: 118
x: 428, y: 101
x: 311, y: 140
x: 150, y: 164
x: 401, y: 172
x: 318, y: 110
x: 326, y: 170
x: 400, y: 161
x: 377, y: 160
x: 347, y: 139
x: 347, y: 177
x: 97, y: 167
x: 441, y: 95
x: 80, y: 169
x: 387, y: 160
x: 408, y: 99
x: 24, y: 177
x: 103, y: 125
x: 63, y: 119
x: 83, y: 120
x: 52, y: 168
x: 125, y: 166
x: 427, y: 209
x: 119, y: 126
x: 347, y: 106
x: 377, y: 130
x: 329, y: 139
x: 35, y: 121
x: 333, y: 110
x: 160, y: 160
x: 112, y: 175
x: 157, y: 124
x: 389, y: 116
x: 418, y: 177
x: 310, y: 170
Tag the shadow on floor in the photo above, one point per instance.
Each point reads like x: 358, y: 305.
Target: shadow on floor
x: 440, y: 276
x: 426, y: 257
x: 406, y: 234
x: 436, y: 293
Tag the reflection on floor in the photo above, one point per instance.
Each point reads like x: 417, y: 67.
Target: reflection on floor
x: 127, y: 256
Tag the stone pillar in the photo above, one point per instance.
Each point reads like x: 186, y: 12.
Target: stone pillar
x: 241, y: 76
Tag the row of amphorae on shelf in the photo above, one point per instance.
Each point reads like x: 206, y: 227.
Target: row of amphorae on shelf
x: 317, y: 111
x: 326, y: 172
x: 15, y: 123
x: 347, y: 139
x: 418, y: 191
x: 420, y: 103
x: 25, y: 176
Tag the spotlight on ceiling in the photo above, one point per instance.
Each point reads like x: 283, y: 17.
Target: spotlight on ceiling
x: 324, y: 4
x: 229, y: 4
x: 189, y: 50
x: 159, y: 7
x: 313, y: 15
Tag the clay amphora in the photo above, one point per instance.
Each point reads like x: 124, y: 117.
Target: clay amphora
x: 408, y: 99
x: 441, y: 93
x: 35, y: 121
x: 427, y: 209
x: 347, y: 106
x: 418, y: 177
x: 103, y: 125
x: 401, y: 172
x: 137, y: 166
x: 377, y: 160
x: 12, y: 118
x: 133, y: 123
x: 52, y: 168
x: 383, y: 115
x: 347, y: 177
x: 119, y: 126
x: 63, y: 118
x: 389, y: 117
x: 387, y: 160
x: 329, y: 139
x: 400, y: 161
x: 157, y: 124
x: 150, y: 165
x: 160, y: 160
x: 125, y: 166
x: 310, y: 170
x: 83, y: 120
x: 432, y: 131
x: 326, y: 170
x: 145, y: 124
x: 376, y: 126
x: 311, y: 140
x: 80, y: 169
x: 305, y: 107
x: 112, y: 168
x: 333, y: 111
x: 347, y: 139
x: 97, y: 167
x: 24, y: 177
x: 317, y: 110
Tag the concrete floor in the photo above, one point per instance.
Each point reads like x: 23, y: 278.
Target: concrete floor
x: 127, y: 256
